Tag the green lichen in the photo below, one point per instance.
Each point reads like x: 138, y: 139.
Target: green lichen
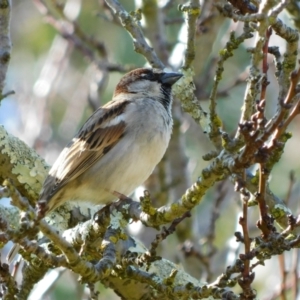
x: 22, y: 165
x: 279, y: 211
x: 189, y: 9
x: 185, y: 86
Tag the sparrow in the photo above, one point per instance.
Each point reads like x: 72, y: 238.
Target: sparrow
x: 118, y: 147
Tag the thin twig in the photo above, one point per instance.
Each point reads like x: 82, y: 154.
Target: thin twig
x: 166, y: 232
x: 265, y: 65
x: 283, y: 277
x: 140, y: 44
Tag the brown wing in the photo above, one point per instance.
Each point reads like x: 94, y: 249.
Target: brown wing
x: 96, y: 137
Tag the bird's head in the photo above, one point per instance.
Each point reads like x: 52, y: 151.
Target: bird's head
x: 152, y: 83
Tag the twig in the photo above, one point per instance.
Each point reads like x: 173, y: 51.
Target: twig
x: 264, y: 221
x: 290, y: 57
x: 241, y: 79
x: 226, y: 53
x: 276, y: 123
x: 177, y: 292
x: 283, y: 272
x: 292, y: 181
x: 72, y: 32
x: 247, y: 276
x: 189, y: 249
x: 7, y: 94
x: 265, y: 65
x: 5, y: 42
x: 295, y: 273
x: 228, y: 11
x: 93, y: 291
x: 209, y: 239
x: 295, y: 111
x: 140, y: 44
x: 166, y: 232
x: 192, y: 11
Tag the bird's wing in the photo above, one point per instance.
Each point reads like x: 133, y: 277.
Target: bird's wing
x: 98, y: 135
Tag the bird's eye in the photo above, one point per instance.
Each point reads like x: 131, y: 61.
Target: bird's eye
x: 149, y: 76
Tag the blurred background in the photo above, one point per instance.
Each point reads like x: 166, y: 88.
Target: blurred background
x: 58, y: 83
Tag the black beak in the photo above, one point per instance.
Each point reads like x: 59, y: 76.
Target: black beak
x: 170, y: 78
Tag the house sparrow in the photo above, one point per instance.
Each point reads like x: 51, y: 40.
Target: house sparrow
x: 118, y: 147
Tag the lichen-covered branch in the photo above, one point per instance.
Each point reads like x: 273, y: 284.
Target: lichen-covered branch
x: 22, y: 165
x: 5, y: 41
x: 192, y: 11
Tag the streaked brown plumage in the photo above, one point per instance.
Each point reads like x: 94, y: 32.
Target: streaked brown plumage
x: 118, y: 146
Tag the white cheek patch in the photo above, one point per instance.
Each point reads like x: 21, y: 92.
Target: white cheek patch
x: 139, y: 86
x: 145, y: 86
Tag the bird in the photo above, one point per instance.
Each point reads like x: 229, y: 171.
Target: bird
x: 119, y: 145
x: 117, y: 148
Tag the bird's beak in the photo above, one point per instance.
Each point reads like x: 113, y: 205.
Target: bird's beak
x: 170, y: 78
